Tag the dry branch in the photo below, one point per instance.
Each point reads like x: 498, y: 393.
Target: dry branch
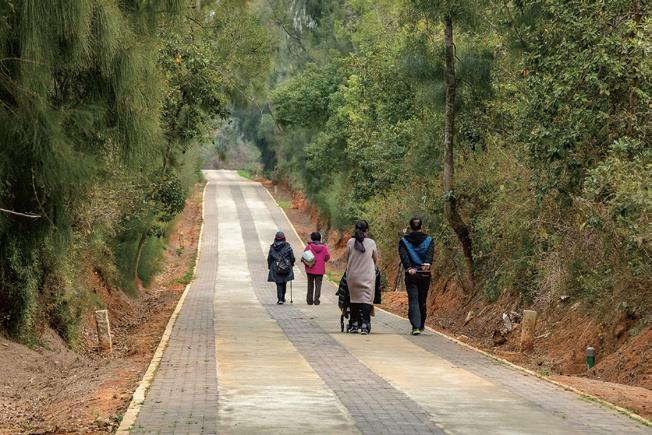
x: 17, y: 213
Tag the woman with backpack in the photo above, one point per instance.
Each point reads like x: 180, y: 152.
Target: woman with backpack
x: 314, y: 258
x: 361, y: 259
x: 280, y: 262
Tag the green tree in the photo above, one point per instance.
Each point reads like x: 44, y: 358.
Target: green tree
x: 461, y: 14
x: 532, y: 120
x: 102, y: 105
x: 78, y: 81
x: 586, y: 69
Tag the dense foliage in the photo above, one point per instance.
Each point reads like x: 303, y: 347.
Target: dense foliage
x: 102, y: 106
x: 553, y: 157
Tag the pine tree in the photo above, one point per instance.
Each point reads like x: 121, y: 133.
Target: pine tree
x: 78, y: 85
x: 452, y: 14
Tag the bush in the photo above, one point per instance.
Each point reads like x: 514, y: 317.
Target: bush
x: 150, y: 259
x: 20, y: 281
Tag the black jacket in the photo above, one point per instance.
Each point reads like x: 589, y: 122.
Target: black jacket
x: 415, y: 238
x: 280, y: 249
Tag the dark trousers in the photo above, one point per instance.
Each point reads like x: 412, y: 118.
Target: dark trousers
x: 417, y: 289
x: 281, y: 288
x: 361, y: 314
x: 314, y: 288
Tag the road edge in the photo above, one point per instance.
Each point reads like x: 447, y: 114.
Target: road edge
x: 130, y: 416
x: 580, y: 393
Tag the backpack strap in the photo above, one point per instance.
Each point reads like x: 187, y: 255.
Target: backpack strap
x: 422, y: 248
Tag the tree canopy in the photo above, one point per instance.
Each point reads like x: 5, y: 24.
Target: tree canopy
x: 102, y: 106
x: 518, y: 130
x: 551, y: 128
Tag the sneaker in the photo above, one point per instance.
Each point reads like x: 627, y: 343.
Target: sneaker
x: 364, y: 330
x: 354, y: 328
x: 310, y: 303
x: 279, y: 302
x: 416, y: 331
x: 317, y: 302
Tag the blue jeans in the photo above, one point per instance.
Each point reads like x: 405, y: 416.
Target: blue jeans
x: 417, y: 289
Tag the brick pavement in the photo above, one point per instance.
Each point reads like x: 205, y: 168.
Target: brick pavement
x: 376, y: 406
x: 580, y: 414
x: 365, y: 378
x: 265, y: 383
x: 183, y: 396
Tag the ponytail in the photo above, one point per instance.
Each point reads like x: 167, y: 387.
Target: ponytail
x: 361, y: 227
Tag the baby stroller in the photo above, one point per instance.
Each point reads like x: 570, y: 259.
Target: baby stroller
x: 344, y: 302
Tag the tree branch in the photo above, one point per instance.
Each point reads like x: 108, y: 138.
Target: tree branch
x: 27, y: 215
x: 195, y: 21
x: 282, y: 25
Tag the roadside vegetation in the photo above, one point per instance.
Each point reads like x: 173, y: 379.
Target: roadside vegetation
x: 518, y: 130
x: 103, y: 108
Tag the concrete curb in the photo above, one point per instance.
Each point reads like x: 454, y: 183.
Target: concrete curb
x: 129, y: 418
x: 582, y: 394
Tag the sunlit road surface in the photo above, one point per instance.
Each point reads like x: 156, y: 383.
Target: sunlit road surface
x: 238, y: 363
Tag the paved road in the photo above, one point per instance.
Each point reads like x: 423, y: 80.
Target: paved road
x: 238, y: 363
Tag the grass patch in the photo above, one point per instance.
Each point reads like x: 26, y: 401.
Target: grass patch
x: 334, y: 277
x: 186, y: 278
x: 190, y: 273
x: 544, y: 371
x: 245, y: 174
x: 283, y: 204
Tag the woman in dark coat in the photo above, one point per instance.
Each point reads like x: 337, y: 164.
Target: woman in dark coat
x: 280, y: 262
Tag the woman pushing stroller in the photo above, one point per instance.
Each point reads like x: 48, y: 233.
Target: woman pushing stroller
x: 361, y: 259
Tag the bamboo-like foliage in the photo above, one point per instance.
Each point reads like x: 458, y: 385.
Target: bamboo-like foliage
x: 78, y: 78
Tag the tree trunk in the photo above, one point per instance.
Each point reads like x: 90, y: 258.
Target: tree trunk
x: 139, y: 251
x: 450, y: 206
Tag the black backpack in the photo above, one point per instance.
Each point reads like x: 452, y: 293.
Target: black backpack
x: 281, y: 264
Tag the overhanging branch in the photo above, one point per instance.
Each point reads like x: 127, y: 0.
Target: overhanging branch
x: 17, y: 213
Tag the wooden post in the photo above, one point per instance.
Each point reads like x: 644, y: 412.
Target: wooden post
x: 527, y: 330
x: 103, y: 331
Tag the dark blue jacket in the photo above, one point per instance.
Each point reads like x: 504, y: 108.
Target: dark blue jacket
x: 415, y: 238
x: 285, y: 250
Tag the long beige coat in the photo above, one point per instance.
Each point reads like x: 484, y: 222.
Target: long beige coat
x: 361, y: 271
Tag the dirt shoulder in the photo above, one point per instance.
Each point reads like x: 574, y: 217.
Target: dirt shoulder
x: 622, y: 375
x: 56, y: 390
